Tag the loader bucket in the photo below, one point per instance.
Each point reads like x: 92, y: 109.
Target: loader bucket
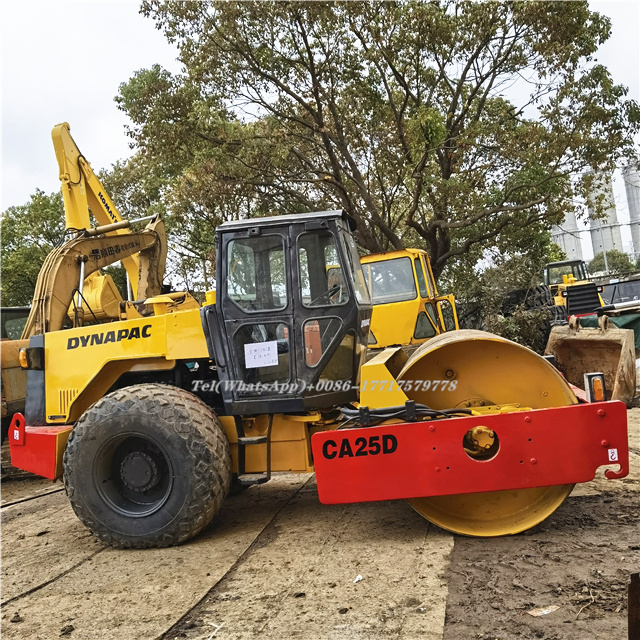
x: 608, y: 350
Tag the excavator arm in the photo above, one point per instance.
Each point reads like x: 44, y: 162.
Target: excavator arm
x: 82, y: 191
x: 78, y: 258
x: 75, y: 266
x: 70, y: 267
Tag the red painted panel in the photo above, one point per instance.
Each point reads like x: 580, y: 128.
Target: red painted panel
x: 37, y: 449
x: 538, y: 448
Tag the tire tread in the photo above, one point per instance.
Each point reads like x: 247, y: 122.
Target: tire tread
x: 190, y: 419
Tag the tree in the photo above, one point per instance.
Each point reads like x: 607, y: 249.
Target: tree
x: 401, y: 113
x: 556, y: 253
x: 481, y: 293
x: 29, y: 233
x: 617, y: 262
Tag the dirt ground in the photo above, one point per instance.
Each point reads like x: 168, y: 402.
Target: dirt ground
x: 277, y: 564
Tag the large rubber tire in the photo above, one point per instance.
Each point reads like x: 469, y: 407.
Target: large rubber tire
x: 538, y: 297
x: 558, y: 315
x: 147, y: 466
x: 554, y: 316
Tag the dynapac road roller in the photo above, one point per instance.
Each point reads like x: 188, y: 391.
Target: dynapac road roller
x: 151, y: 420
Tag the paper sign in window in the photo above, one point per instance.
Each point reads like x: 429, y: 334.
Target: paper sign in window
x: 261, y: 354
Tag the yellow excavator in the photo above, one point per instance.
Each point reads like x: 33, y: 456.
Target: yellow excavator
x: 70, y: 289
x: 150, y: 420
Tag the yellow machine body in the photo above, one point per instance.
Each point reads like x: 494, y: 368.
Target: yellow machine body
x: 14, y: 377
x: 474, y: 370
x: 278, y: 317
x: 75, y: 265
x: 153, y: 344
x: 559, y: 276
x: 560, y: 290
x: 108, y: 351
x: 407, y: 309
x: 289, y: 437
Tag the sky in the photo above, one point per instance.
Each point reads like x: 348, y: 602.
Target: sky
x: 63, y: 61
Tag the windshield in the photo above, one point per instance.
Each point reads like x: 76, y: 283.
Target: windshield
x: 256, y: 273
x: 577, y: 270
x: 390, y: 280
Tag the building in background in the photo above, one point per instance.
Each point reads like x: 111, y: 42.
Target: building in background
x: 605, y: 232
x: 567, y: 237
x: 631, y: 176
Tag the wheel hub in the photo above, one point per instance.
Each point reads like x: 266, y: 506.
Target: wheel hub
x: 139, y: 471
x: 481, y: 443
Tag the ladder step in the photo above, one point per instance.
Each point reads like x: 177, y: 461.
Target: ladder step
x: 246, y: 440
x: 247, y: 479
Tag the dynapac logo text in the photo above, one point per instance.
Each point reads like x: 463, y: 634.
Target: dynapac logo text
x: 109, y: 336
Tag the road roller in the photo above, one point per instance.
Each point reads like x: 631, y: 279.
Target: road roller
x: 152, y: 421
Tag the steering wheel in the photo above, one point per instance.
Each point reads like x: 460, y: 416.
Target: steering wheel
x: 327, y: 294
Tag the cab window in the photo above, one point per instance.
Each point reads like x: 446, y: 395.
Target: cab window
x: 390, y: 280
x: 353, y: 260
x: 422, y: 283
x: 322, y: 280
x: 256, y: 273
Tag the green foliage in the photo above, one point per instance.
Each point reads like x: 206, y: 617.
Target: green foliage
x: 480, y: 292
x: 618, y: 263
x: 556, y: 254
x: 526, y: 327
x: 29, y: 233
x: 398, y: 112
x: 394, y: 111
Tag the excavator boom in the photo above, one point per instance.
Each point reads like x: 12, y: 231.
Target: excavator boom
x: 82, y: 191
x: 76, y: 264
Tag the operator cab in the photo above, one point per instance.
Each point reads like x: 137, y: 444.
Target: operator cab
x: 290, y: 325
x: 555, y: 273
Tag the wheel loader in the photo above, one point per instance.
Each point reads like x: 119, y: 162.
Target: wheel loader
x: 572, y: 288
x: 151, y: 420
x: 577, y: 349
x: 407, y: 309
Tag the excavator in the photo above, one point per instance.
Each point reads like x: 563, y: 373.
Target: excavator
x: 70, y: 289
x: 150, y: 420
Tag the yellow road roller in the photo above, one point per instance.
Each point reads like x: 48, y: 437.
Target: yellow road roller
x: 151, y: 420
x: 407, y: 309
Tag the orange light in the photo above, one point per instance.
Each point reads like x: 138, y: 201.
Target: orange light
x: 22, y: 359
x: 598, y: 390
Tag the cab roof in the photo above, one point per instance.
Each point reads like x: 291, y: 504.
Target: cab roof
x: 296, y: 218
x: 392, y: 255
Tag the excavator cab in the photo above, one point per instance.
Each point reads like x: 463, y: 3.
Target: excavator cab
x: 290, y: 325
